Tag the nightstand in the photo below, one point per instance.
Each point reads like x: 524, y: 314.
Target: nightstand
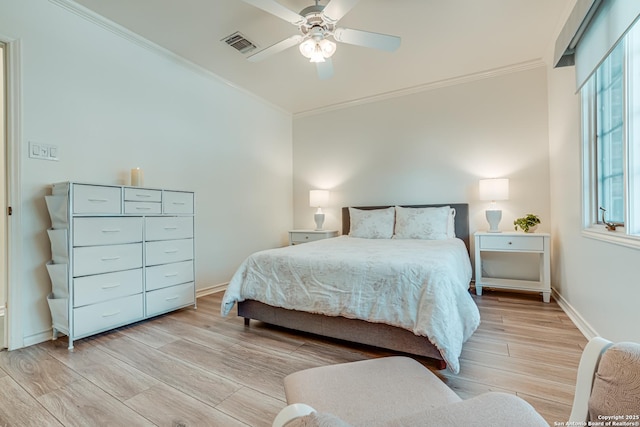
x: 303, y: 236
x: 515, y: 242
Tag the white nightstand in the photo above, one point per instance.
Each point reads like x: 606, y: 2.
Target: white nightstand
x: 304, y: 236
x: 515, y: 242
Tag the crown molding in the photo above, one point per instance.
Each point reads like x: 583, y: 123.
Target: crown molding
x: 137, y: 39
x: 453, y: 81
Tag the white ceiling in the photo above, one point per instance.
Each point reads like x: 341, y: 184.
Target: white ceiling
x: 441, y: 39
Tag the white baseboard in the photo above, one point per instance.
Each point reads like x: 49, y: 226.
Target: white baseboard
x: 2, y: 343
x: 38, y: 338
x: 582, y: 325
x: 211, y: 289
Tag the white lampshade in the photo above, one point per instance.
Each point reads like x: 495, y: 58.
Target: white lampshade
x: 494, y: 189
x: 318, y: 198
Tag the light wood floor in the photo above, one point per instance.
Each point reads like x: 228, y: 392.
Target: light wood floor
x: 195, y: 368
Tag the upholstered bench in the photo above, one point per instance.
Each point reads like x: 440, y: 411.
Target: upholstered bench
x: 392, y: 391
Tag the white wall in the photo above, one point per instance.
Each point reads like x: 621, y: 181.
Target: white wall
x: 430, y: 147
x: 110, y: 105
x: 598, y: 280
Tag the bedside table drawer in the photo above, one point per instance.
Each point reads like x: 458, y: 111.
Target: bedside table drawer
x: 300, y: 237
x: 304, y: 236
x: 512, y: 243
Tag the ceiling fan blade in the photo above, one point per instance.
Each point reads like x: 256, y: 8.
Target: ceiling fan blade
x: 367, y: 39
x: 336, y: 9
x: 325, y: 69
x: 276, y: 9
x: 276, y: 48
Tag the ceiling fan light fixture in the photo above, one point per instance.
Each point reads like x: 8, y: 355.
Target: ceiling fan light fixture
x: 328, y: 47
x: 317, y: 51
x: 307, y: 47
x: 317, y: 55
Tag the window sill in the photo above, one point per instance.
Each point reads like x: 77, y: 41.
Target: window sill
x: 613, y: 237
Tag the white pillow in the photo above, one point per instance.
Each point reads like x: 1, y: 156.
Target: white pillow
x: 422, y: 223
x: 372, y: 224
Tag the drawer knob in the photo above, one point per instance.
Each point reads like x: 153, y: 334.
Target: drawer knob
x: 510, y: 243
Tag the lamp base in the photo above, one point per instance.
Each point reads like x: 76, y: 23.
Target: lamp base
x: 319, y: 219
x: 493, y: 217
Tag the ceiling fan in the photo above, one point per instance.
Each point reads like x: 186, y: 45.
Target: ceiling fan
x: 317, y: 25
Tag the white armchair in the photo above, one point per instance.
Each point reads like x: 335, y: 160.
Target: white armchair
x: 608, y: 383
x: 398, y: 391
x: 392, y: 391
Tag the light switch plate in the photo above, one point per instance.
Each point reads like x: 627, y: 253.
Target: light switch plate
x: 41, y: 151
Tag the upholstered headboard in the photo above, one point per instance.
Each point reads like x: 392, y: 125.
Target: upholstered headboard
x: 461, y: 219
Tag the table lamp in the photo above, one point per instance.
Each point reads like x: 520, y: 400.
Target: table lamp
x: 494, y: 189
x: 317, y: 199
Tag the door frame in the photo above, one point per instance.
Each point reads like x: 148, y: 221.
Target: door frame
x: 13, y: 129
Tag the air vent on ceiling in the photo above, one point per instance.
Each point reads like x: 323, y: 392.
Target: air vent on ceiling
x: 239, y: 42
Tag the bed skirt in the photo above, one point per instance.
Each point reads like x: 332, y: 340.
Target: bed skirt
x: 352, y: 330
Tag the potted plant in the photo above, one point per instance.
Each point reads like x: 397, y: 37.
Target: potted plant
x: 528, y: 223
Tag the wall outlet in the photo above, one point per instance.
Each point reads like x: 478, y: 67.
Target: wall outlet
x: 43, y: 151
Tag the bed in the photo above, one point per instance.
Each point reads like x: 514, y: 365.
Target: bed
x: 403, y: 294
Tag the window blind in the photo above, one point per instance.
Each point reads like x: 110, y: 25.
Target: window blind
x: 591, y: 32
x: 573, y: 29
x: 610, y: 23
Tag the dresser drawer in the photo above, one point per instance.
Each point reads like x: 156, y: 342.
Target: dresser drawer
x: 166, y: 299
x: 105, y: 259
x: 512, y: 243
x: 161, y: 276
x: 106, y: 231
x: 170, y: 227
x: 167, y: 251
x: 142, y: 208
x: 177, y: 202
x: 106, y: 315
x: 88, y: 199
x: 142, y: 195
x: 102, y: 287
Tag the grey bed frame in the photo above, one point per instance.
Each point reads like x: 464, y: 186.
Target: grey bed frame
x: 354, y: 330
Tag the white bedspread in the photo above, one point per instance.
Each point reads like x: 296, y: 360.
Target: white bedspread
x: 419, y: 285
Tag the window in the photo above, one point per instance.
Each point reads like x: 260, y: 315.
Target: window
x: 611, y: 138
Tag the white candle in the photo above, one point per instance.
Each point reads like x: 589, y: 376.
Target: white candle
x: 137, y: 177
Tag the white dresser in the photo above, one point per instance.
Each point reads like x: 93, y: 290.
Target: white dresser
x: 119, y: 255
